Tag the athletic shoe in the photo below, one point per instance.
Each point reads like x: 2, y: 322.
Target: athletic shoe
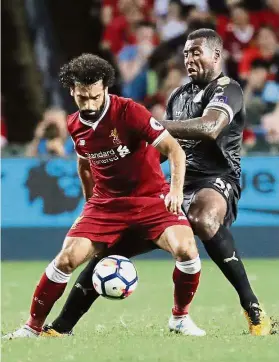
x: 185, y: 325
x: 49, y: 331
x: 23, y: 332
x: 259, y: 322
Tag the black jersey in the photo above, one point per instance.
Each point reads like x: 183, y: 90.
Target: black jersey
x: 210, y: 158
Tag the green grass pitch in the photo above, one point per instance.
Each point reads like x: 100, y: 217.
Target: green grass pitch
x: 136, y: 329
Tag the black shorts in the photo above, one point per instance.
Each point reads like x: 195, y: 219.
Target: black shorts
x: 228, y: 189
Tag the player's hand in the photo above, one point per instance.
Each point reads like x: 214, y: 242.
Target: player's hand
x: 173, y: 201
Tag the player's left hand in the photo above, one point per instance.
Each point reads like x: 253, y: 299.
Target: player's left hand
x: 173, y: 201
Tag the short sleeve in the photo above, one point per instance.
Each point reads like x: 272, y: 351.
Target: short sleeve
x: 141, y: 122
x: 226, y: 96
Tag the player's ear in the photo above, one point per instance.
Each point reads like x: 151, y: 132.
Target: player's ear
x: 72, y: 92
x: 217, y: 55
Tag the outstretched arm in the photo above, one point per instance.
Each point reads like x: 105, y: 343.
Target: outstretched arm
x: 208, y: 126
x: 86, y: 178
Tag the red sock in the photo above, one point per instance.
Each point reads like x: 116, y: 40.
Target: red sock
x: 46, y: 294
x: 185, y: 286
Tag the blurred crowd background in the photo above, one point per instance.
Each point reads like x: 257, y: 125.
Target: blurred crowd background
x: 143, y: 39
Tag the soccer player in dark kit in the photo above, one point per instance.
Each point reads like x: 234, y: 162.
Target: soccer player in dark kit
x: 206, y: 116
x: 119, y: 143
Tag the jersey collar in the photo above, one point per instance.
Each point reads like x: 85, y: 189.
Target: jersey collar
x: 95, y: 124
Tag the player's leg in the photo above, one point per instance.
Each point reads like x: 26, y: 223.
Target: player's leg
x: 75, y: 251
x: 179, y: 241
x: 207, y: 215
x: 83, y: 295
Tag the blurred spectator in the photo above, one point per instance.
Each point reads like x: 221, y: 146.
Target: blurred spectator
x: 266, y: 49
x: 161, y: 6
x: 132, y: 61
x: 270, y: 123
x: 253, y: 92
x: 121, y: 19
x: 249, y: 140
x: 268, y: 16
x: 3, y: 139
x: 238, y: 35
x: 157, y: 103
x: 173, y: 25
x: 51, y: 136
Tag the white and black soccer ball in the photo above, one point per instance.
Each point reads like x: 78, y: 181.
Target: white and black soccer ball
x: 115, y: 277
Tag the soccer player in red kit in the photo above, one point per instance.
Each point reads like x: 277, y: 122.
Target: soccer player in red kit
x: 117, y: 140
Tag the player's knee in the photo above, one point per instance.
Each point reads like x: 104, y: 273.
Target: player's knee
x: 65, y: 261
x: 205, y: 223
x: 185, y: 250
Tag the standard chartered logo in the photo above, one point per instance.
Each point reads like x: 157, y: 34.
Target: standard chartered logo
x: 123, y: 151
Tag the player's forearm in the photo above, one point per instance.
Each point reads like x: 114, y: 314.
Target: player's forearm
x: 196, y: 128
x: 86, y: 179
x: 177, y: 160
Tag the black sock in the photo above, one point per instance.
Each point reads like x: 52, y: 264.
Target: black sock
x: 83, y: 294
x: 79, y: 300
x: 220, y: 248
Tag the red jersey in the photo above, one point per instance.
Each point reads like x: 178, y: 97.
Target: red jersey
x: 118, y: 147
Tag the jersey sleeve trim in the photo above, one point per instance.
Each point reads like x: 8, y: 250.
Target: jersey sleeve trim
x: 160, y: 138
x: 221, y: 107
x: 80, y: 156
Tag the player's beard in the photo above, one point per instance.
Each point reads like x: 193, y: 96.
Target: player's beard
x: 92, y: 115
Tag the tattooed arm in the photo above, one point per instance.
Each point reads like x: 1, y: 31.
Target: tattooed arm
x: 208, y: 126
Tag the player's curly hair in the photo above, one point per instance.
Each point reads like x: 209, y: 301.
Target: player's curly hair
x: 86, y: 69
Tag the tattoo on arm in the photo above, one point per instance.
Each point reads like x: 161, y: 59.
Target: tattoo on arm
x: 208, y: 126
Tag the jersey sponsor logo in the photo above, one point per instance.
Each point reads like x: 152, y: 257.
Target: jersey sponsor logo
x: 115, y: 136
x: 104, y: 157
x: 198, y: 97
x: 156, y: 125
x: 224, y: 81
x: 123, y: 151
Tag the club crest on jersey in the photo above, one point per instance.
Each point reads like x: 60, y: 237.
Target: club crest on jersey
x: 115, y: 137
x: 224, y: 81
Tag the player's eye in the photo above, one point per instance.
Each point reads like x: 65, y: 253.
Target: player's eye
x: 82, y: 98
x: 196, y: 54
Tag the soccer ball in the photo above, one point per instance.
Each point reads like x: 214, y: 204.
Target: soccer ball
x: 115, y: 277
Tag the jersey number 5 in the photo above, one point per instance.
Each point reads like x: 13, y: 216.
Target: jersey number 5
x: 224, y: 187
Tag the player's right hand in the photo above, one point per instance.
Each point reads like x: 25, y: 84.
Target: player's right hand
x: 173, y: 201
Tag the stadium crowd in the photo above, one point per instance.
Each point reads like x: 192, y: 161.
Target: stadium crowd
x: 145, y: 38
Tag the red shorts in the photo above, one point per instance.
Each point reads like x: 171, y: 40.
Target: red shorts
x: 107, y: 220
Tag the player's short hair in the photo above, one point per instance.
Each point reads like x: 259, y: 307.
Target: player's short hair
x: 212, y: 37
x: 260, y: 63
x: 87, y: 69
